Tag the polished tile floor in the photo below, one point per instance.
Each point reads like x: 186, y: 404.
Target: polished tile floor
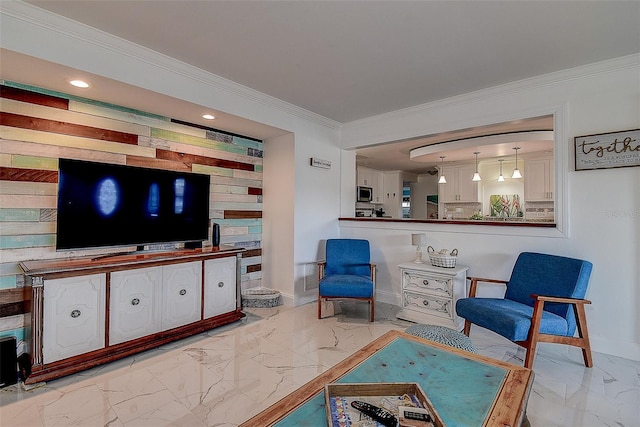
x: 223, y: 377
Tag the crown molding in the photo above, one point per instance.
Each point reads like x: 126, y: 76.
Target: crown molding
x: 68, y: 28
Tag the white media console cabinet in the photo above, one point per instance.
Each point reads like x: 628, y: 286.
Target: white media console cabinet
x: 89, y: 311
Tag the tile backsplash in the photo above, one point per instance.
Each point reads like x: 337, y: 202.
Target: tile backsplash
x: 461, y: 210
x: 539, y: 211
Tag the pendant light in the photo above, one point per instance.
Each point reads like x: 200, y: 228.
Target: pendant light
x: 501, y: 177
x: 476, y: 176
x: 516, y: 171
x: 442, y: 179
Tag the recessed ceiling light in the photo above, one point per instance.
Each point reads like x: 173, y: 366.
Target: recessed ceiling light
x: 208, y: 116
x: 79, y: 83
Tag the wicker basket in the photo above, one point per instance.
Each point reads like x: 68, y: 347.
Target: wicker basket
x: 260, y: 298
x: 442, y: 258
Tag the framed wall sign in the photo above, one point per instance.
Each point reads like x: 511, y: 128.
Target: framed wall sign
x: 608, y: 150
x: 319, y: 163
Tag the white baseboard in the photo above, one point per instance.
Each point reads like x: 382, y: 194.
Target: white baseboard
x: 625, y: 350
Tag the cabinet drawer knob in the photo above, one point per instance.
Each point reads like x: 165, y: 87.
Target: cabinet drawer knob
x: 220, y: 284
x: 183, y: 291
x: 135, y: 301
x: 76, y: 313
x: 425, y: 302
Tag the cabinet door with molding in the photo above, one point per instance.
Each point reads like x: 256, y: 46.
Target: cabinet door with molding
x: 467, y: 189
x: 73, y: 316
x: 135, y: 302
x: 182, y: 293
x: 220, y: 291
x: 538, y: 180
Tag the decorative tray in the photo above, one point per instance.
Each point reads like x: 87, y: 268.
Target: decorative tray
x: 393, y: 397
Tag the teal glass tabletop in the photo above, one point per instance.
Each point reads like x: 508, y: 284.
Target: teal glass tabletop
x: 461, y: 389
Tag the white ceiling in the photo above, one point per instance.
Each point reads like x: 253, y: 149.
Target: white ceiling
x: 348, y: 60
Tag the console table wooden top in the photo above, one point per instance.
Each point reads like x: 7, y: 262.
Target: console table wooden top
x: 86, y: 264
x: 467, y: 389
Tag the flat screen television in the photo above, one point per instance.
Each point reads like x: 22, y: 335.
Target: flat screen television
x: 103, y: 205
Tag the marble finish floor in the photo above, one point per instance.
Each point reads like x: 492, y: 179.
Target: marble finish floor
x: 225, y: 376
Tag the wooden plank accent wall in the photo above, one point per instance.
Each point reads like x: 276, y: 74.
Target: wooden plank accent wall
x: 38, y: 127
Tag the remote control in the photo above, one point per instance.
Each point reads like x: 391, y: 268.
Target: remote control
x: 418, y: 416
x: 380, y: 415
x: 410, y: 416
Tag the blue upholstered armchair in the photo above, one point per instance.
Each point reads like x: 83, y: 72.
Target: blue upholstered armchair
x: 347, y: 272
x: 544, y: 302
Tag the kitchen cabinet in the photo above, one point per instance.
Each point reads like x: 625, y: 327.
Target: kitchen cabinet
x: 538, y: 180
x: 74, y: 316
x: 365, y: 177
x: 378, y: 187
x: 89, y: 311
x: 459, y: 187
x: 429, y: 293
x: 392, y: 196
x: 220, y: 293
x: 372, y: 178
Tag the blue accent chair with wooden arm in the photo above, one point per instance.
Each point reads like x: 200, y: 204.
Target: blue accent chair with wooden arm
x: 347, y: 272
x: 544, y: 302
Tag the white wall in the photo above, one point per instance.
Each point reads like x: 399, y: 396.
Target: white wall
x: 317, y: 205
x: 277, y: 215
x: 602, y: 206
x: 301, y: 205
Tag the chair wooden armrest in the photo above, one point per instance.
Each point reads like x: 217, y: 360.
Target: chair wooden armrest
x: 372, y: 267
x: 474, y: 284
x: 321, y: 267
x: 565, y: 300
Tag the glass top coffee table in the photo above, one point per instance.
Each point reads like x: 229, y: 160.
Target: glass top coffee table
x: 465, y: 388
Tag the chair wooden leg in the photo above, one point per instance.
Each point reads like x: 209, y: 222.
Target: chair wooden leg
x: 532, y: 341
x: 531, y: 354
x: 467, y: 328
x: 319, y: 307
x: 583, y: 333
x: 372, y: 309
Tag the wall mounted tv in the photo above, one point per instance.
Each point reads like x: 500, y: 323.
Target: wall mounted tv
x: 103, y: 204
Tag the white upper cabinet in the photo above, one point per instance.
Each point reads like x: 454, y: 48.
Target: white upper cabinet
x: 365, y: 177
x: 538, y: 180
x: 459, y: 187
x: 371, y: 178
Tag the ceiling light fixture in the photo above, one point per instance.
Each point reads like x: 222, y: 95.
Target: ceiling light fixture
x: 442, y: 179
x: 208, y: 116
x: 501, y: 177
x: 516, y: 171
x: 79, y: 83
x: 476, y: 176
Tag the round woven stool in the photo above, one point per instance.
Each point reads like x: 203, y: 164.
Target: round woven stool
x: 443, y: 335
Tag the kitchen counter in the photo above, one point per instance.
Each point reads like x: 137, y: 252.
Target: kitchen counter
x: 517, y: 222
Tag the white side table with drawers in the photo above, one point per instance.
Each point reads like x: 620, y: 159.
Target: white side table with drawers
x: 429, y: 293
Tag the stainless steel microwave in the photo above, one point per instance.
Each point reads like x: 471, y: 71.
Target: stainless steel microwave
x: 365, y: 194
